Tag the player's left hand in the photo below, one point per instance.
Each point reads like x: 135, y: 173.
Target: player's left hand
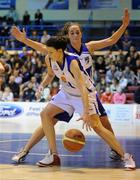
x: 126, y: 18
x: 19, y: 35
x: 86, y: 121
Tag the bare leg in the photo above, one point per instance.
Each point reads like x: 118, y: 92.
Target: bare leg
x: 105, y: 122
x: 110, y: 139
x: 106, y: 135
x: 48, y: 126
x: 36, y: 137
x: 39, y: 133
x: 47, y: 122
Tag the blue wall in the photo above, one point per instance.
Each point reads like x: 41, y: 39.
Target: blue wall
x: 73, y: 13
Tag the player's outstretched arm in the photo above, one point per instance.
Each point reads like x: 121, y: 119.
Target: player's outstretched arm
x: 96, y: 45
x: 47, y: 79
x: 50, y: 74
x: 21, y: 36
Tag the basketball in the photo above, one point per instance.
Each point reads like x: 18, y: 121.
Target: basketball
x: 73, y: 140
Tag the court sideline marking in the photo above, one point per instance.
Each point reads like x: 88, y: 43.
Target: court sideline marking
x: 36, y: 154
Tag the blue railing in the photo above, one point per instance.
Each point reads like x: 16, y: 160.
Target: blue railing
x: 90, y: 33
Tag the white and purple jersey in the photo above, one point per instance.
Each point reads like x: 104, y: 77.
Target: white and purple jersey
x: 69, y: 97
x: 86, y: 61
x: 84, y: 57
x: 67, y: 81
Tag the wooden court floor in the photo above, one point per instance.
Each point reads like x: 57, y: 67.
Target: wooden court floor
x: 30, y: 172
x: 92, y: 162
x: 82, y: 166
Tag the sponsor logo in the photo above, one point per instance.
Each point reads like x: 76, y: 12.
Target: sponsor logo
x: 87, y: 60
x: 10, y: 110
x: 34, y: 111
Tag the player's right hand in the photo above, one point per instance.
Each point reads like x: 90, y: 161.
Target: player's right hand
x: 19, y: 35
x: 86, y: 122
x: 126, y: 18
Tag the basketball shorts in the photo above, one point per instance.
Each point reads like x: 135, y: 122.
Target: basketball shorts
x: 71, y: 104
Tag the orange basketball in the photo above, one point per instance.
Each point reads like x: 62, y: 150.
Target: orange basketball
x: 73, y: 140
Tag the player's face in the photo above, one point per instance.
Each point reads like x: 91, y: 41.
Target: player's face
x: 53, y: 53
x: 75, y: 34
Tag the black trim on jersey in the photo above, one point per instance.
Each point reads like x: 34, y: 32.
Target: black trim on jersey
x: 89, y: 90
x: 71, y: 84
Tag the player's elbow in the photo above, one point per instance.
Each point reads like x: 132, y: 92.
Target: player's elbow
x: 112, y: 41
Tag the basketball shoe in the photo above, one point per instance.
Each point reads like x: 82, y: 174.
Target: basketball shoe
x: 129, y: 162
x: 20, y: 156
x: 49, y: 160
x: 115, y: 156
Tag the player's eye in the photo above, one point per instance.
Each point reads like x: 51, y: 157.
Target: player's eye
x: 77, y: 32
x: 72, y: 33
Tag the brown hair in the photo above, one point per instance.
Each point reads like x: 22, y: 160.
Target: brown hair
x: 64, y: 31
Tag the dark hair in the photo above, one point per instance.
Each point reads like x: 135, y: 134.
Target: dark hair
x: 64, y: 31
x: 57, y: 42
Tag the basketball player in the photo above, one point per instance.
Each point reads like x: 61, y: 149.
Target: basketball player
x: 84, y: 51
x: 78, y: 94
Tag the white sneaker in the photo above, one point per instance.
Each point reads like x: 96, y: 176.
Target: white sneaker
x: 20, y: 157
x: 49, y: 160
x: 129, y: 162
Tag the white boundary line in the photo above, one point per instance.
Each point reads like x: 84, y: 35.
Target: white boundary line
x: 35, y: 154
x: 42, y: 154
x: 20, y: 140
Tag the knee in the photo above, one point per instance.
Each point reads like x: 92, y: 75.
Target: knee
x: 105, y: 122
x: 44, y: 114
x: 96, y: 125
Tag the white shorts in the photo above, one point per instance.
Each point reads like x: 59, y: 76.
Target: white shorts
x: 70, y: 103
